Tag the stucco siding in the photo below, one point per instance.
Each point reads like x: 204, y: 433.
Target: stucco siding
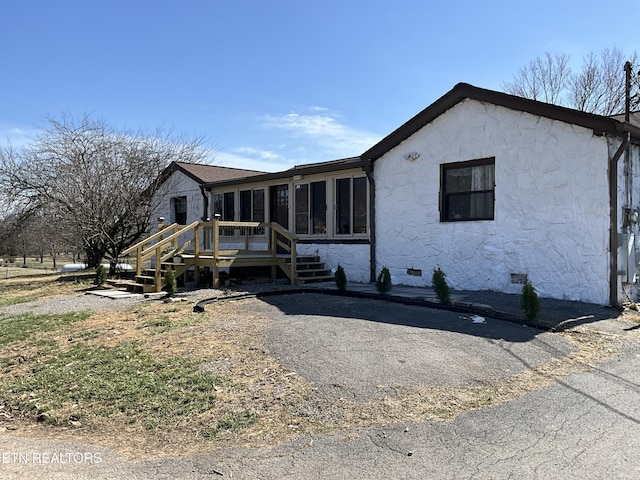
x: 551, y: 205
x: 178, y: 185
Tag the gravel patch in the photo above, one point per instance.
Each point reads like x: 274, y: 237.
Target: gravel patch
x: 93, y: 303
x: 71, y: 303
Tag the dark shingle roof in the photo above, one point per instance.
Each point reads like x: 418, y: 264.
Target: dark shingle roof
x: 599, y: 124
x: 634, y: 118
x: 203, y: 173
x: 305, y: 169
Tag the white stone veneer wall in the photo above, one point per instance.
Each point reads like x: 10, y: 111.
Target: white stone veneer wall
x: 178, y: 185
x: 353, y: 258
x: 551, y: 205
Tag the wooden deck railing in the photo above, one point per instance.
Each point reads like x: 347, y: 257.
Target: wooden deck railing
x: 208, y: 240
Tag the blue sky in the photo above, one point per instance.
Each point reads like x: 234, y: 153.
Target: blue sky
x: 273, y: 83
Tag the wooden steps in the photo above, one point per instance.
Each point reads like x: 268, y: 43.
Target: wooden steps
x: 310, y: 269
x: 146, y: 282
x: 209, y: 248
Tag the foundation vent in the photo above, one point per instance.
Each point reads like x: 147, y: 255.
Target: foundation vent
x: 519, y: 278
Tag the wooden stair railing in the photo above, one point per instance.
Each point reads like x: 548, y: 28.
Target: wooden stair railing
x: 164, y: 245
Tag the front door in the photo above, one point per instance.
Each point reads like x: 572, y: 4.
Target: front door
x: 280, y: 205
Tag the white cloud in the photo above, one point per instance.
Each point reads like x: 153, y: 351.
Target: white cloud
x: 251, y: 159
x: 325, y: 131
x: 319, y: 109
x: 17, y: 137
x: 260, y: 154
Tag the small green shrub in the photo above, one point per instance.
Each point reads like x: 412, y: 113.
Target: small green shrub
x: 439, y: 282
x: 530, y: 302
x: 169, y: 283
x: 383, y: 284
x: 340, y: 278
x: 101, y: 275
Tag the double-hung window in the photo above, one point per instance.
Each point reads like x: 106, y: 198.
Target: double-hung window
x: 311, y: 208
x: 351, y: 206
x: 467, y: 190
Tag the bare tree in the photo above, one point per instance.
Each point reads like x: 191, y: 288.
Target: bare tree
x: 98, y: 182
x: 544, y: 79
x: 599, y: 87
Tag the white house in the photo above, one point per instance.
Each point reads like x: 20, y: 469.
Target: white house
x: 181, y: 197
x: 495, y: 189
x: 498, y: 189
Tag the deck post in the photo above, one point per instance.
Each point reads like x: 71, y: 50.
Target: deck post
x: 216, y: 238
x: 294, y: 261
x: 274, y: 249
x: 246, y: 239
x: 139, y: 250
x: 196, y: 252
x: 156, y: 281
x: 138, y: 261
x: 174, y: 243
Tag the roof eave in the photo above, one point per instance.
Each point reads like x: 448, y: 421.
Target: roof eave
x: 599, y: 124
x: 299, y: 170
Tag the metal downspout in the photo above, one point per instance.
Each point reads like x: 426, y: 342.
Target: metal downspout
x: 372, y: 221
x: 205, y: 204
x: 613, y: 219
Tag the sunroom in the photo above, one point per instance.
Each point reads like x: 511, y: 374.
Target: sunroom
x: 326, y: 206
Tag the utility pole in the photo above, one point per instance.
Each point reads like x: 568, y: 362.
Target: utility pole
x: 628, y: 67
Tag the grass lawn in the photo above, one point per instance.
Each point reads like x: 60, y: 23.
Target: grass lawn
x: 137, y: 380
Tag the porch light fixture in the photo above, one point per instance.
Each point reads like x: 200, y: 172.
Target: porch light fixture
x: 633, y: 217
x: 411, y: 156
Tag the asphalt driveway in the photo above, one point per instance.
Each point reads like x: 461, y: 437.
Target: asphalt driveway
x: 360, y: 348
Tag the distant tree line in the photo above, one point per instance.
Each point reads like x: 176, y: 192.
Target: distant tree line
x: 82, y: 185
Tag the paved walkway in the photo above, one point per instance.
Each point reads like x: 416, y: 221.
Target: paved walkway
x: 554, y: 314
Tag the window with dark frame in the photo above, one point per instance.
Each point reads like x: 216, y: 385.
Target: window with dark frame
x: 359, y: 205
x: 302, y: 208
x: 217, y: 204
x: 228, y: 207
x: 224, y: 205
x: 311, y: 208
x: 179, y: 210
x: 351, y: 206
x: 245, y: 205
x: 467, y: 190
x: 252, y: 205
x: 252, y: 209
x: 258, y: 205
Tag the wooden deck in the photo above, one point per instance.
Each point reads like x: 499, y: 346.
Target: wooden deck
x: 262, y: 245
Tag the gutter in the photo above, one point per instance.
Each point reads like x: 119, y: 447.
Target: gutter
x: 613, y: 220
x: 368, y: 168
